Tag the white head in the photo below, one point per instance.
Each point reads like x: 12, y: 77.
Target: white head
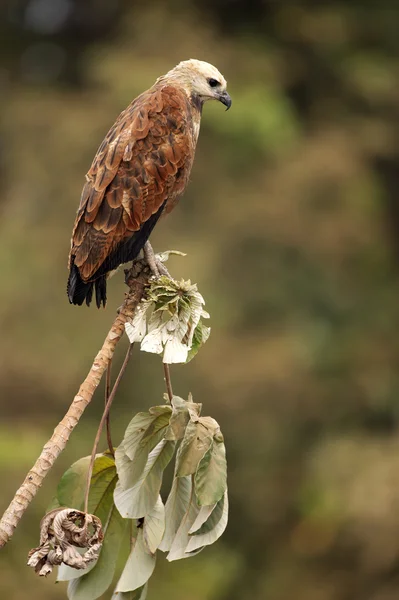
x: 201, y: 80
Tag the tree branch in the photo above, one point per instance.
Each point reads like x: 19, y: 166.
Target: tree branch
x: 136, y: 279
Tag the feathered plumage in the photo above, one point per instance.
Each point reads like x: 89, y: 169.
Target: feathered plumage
x: 139, y: 171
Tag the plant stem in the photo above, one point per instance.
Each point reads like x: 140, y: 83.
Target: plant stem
x: 102, y: 422
x: 107, y: 422
x: 168, y: 381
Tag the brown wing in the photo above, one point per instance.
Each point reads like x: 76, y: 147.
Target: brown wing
x: 143, y: 162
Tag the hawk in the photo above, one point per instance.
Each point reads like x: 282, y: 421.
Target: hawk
x: 139, y: 172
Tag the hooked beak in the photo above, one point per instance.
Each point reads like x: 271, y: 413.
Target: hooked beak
x: 225, y: 99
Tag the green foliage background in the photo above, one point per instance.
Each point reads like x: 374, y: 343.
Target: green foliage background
x: 291, y: 225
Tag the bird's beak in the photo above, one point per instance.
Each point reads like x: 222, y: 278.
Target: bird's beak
x: 225, y: 99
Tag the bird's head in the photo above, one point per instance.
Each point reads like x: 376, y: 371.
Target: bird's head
x: 201, y: 80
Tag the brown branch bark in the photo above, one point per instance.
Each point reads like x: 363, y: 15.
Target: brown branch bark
x: 56, y: 444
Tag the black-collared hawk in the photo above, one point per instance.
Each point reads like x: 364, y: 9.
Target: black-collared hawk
x: 139, y: 172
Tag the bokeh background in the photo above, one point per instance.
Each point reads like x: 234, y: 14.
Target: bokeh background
x: 291, y: 226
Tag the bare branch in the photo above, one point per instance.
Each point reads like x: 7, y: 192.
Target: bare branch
x: 168, y: 381
x: 107, y: 393
x: 136, y: 279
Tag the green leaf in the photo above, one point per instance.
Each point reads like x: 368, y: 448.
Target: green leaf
x: 211, y: 476
x: 53, y: 504
x: 196, y: 442
x: 138, y: 501
x: 201, y: 334
x: 139, y: 567
x: 127, y: 475
x: 102, y: 485
x: 175, y: 508
x: 202, y: 519
x: 143, y: 427
x: 154, y: 527
x: 212, y: 529
x: 71, y: 488
x: 181, y: 539
x: 143, y: 433
x: 139, y: 594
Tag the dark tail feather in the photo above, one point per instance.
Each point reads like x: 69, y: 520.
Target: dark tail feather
x: 101, y: 291
x: 79, y: 291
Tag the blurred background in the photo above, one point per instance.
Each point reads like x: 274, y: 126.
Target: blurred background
x: 291, y: 226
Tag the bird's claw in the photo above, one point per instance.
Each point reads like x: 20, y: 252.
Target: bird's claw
x: 155, y: 265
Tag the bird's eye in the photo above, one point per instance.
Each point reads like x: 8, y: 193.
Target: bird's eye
x: 213, y: 82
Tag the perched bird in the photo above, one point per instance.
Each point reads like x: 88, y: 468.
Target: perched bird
x: 139, y: 171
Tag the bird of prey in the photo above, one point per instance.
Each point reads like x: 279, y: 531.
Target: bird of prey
x: 139, y: 171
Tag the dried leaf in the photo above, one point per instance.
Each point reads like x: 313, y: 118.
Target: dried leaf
x: 94, y: 582
x: 62, y: 531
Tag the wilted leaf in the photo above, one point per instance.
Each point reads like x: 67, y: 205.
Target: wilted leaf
x: 154, y: 527
x: 212, y: 529
x: 152, y: 342
x: 63, y: 532
x: 137, y: 501
x: 126, y: 474
x: 143, y: 427
x: 136, y: 328
x: 202, y: 518
x: 139, y: 567
x: 202, y: 525
x: 178, y: 420
x: 175, y: 508
x: 181, y: 539
x: 178, y: 308
x: 143, y: 433
x: 196, y: 442
x: 175, y: 351
x: 139, y: 594
x: 211, y: 475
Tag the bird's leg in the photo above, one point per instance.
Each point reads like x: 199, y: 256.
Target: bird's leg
x: 156, y: 266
